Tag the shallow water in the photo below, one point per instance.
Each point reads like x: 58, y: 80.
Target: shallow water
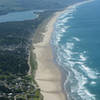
x: 76, y: 41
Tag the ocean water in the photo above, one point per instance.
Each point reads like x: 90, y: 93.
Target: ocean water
x: 18, y: 16
x: 76, y: 43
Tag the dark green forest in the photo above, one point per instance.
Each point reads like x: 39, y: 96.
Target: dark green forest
x: 15, y: 44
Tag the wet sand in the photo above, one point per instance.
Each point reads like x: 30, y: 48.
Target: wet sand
x: 48, y: 76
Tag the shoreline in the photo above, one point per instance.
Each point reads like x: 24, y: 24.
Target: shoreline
x: 49, y: 76
x: 48, y: 73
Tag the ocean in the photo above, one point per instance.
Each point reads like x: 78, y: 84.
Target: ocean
x: 76, y: 43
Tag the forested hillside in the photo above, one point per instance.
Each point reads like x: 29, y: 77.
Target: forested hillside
x: 19, y: 5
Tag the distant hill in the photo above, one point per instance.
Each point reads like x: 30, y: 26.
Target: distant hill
x: 19, y: 5
x: 45, y: 4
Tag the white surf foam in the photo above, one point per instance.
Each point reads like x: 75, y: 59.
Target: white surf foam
x: 77, y: 39
x: 82, y: 57
x: 66, y: 53
x: 80, y: 88
x: 93, y: 83
x: 89, y: 72
x: 64, y: 56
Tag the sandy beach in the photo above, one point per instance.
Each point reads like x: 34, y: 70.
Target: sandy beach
x: 48, y: 76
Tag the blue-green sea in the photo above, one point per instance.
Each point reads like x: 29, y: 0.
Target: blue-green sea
x: 76, y: 42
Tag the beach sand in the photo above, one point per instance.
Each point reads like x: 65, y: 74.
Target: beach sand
x: 48, y: 76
